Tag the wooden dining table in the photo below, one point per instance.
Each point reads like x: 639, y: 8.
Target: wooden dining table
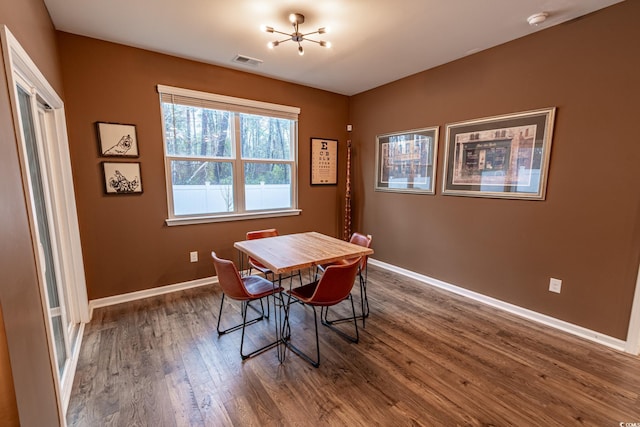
x: 291, y: 252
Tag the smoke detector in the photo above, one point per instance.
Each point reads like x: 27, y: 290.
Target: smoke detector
x: 537, y: 18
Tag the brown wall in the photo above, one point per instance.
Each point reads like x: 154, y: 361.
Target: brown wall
x: 8, y: 405
x: 126, y: 244
x: 585, y: 232
x: 29, y: 22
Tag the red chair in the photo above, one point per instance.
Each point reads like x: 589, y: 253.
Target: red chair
x: 254, y: 263
x: 333, y: 287
x: 244, y: 289
x: 365, y: 241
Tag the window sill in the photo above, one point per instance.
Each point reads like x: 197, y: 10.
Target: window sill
x: 225, y: 218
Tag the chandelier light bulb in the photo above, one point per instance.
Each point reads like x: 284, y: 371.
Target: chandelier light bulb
x: 266, y: 29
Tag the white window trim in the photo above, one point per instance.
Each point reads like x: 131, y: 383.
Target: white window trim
x: 174, y: 220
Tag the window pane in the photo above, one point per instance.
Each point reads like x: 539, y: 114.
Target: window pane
x: 265, y: 137
x: 267, y: 186
x: 195, y: 131
x: 202, y: 187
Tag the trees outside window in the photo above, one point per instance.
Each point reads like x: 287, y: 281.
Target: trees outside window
x: 226, y: 159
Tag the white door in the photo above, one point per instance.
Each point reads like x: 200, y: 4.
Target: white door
x: 46, y: 170
x: 33, y: 120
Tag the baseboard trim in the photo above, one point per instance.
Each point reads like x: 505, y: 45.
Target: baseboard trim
x: 544, y: 319
x: 133, y: 296
x: 579, y: 331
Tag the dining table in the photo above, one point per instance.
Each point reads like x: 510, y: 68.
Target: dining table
x: 291, y: 252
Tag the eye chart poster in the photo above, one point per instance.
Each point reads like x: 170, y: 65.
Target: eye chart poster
x: 324, y: 161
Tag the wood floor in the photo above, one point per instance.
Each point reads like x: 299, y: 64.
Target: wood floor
x: 426, y: 357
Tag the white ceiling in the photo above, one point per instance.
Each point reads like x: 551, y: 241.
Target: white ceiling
x: 374, y: 41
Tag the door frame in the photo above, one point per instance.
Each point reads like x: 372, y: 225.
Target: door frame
x: 57, y: 166
x: 633, y: 334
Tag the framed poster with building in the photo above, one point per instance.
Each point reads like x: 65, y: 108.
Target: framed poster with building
x: 406, y: 161
x: 504, y: 156
x: 324, y: 161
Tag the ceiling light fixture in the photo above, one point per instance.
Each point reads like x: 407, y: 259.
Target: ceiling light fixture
x: 537, y: 18
x: 297, y: 37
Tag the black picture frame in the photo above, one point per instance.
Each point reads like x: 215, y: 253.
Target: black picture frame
x: 117, y: 139
x: 324, y: 161
x: 122, y: 177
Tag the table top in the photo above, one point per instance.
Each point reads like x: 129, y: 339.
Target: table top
x: 297, y: 251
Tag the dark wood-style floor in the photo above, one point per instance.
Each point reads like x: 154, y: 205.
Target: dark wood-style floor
x: 426, y: 357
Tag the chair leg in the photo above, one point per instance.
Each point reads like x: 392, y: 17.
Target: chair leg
x: 296, y: 350
x: 238, y: 326
x: 259, y: 350
x: 364, y: 305
x: 329, y: 325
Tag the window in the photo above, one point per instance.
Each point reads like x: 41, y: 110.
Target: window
x: 228, y: 158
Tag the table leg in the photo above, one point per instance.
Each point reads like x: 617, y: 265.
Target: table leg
x: 280, y: 321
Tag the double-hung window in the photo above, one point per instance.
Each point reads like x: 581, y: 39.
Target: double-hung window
x: 228, y: 158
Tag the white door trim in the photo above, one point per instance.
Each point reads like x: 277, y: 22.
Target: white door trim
x: 633, y: 333
x: 57, y: 162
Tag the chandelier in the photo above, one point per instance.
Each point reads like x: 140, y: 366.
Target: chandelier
x: 297, y: 37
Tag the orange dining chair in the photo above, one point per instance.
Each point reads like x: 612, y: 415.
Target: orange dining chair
x: 254, y: 263
x: 245, y: 289
x: 365, y: 241
x: 333, y: 287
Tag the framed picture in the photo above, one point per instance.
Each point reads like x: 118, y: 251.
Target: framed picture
x: 122, y: 178
x: 324, y: 161
x: 117, y: 139
x: 503, y: 156
x: 406, y: 161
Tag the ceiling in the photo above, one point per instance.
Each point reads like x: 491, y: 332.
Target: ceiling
x: 373, y: 41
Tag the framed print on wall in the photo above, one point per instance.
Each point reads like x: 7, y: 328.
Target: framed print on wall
x: 504, y: 156
x: 324, y: 161
x: 406, y: 161
x: 122, y: 178
x: 116, y: 139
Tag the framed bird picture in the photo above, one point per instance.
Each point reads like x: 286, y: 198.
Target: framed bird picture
x: 117, y: 140
x: 122, y: 178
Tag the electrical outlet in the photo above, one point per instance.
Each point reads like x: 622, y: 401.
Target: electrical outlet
x: 555, y: 285
x: 193, y: 256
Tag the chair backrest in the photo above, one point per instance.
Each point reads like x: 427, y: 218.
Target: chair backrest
x: 229, y: 278
x: 361, y: 240
x: 336, y: 283
x: 260, y: 234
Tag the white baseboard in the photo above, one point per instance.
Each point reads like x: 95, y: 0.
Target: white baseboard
x: 133, y: 296
x: 579, y: 331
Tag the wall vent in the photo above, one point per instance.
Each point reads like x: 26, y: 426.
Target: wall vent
x: 247, y: 60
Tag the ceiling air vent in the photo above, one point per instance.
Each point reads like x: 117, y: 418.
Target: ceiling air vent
x: 247, y: 60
